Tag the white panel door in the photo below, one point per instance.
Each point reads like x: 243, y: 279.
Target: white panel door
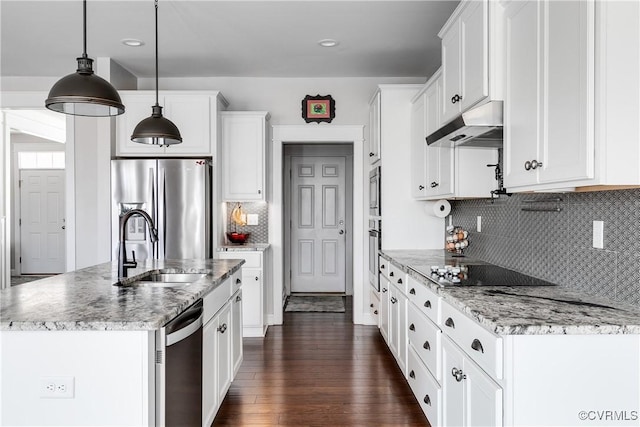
x: 318, y: 224
x: 42, y: 235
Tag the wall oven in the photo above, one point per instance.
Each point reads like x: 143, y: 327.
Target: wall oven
x: 375, y: 244
x: 374, y: 192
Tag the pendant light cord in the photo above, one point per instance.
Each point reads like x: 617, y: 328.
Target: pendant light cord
x: 156, y: 2
x: 84, y: 29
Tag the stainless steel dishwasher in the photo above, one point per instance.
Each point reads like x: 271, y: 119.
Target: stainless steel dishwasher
x: 179, y: 370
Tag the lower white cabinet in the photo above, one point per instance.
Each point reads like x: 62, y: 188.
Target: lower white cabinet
x: 254, y: 298
x: 425, y: 388
x: 384, y: 307
x: 398, y: 326
x: 236, y: 333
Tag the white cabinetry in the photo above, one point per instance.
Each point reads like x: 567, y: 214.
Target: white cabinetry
x: 444, y: 171
x: 374, y: 128
x: 244, y: 135
x: 572, y: 96
x: 194, y: 113
x: 471, y: 49
x: 236, y: 333
x: 384, y: 299
x: 254, y: 296
x: 393, y: 311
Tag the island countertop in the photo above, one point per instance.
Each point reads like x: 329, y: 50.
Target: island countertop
x: 87, y: 299
x: 523, y: 310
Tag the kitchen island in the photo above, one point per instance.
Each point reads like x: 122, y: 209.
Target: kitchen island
x: 80, y: 330
x: 527, y: 353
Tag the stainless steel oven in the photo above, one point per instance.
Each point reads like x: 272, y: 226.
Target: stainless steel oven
x: 374, y: 192
x: 375, y: 244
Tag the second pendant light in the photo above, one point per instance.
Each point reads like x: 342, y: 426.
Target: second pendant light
x: 156, y: 129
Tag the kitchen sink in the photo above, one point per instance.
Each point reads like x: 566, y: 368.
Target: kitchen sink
x: 172, y: 277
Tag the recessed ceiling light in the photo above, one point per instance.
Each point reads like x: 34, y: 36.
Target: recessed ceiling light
x: 132, y: 42
x: 328, y: 43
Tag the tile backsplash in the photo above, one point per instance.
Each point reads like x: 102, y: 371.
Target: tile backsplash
x: 557, y: 245
x: 260, y: 232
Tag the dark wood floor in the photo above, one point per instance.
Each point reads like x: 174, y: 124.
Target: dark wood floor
x: 319, y: 369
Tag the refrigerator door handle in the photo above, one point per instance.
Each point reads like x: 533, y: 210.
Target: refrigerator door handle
x: 162, y: 213
x: 153, y: 210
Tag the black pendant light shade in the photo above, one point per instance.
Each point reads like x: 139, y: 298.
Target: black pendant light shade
x: 156, y: 130
x: 83, y: 93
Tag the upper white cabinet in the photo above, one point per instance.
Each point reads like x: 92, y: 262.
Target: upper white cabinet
x: 244, y: 135
x: 572, y: 95
x: 374, y: 128
x: 194, y: 113
x: 471, y: 55
x: 442, y: 171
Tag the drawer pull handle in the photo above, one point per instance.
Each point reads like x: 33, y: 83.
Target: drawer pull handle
x: 384, y: 290
x: 449, y: 323
x: 477, y: 345
x: 426, y: 345
x: 222, y: 329
x: 394, y: 300
x: 400, y: 281
x: 371, y: 305
x: 427, y: 304
x: 257, y: 278
x: 375, y: 312
x: 457, y: 374
x: 238, y: 298
x: 238, y: 281
x: 427, y: 400
x: 382, y: 267
x: 412, y: 291
x: 412, y: 374
x: 412, y: 327
x: 391, y: 274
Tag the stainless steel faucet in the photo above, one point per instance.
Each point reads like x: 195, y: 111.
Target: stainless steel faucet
x: 123, y: 263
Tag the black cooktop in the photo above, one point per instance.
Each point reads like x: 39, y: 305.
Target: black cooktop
x: 461, y: 274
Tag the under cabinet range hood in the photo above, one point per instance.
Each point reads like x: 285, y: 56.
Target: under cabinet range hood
x: 477, y: 127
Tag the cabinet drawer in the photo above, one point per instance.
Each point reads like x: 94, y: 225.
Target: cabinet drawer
x: 425, y: 388
x: 214, y: 300
x: 252, y: 259
x: 482, y: 346
x: 425, y: 299
x: 398, y: 277
x: 425, y: 338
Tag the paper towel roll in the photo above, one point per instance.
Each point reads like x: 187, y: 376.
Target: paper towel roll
x: 439, y: 208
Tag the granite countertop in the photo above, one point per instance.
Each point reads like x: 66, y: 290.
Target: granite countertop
x: 86, y: 299
x: 523, y: 310
x: 244, y: 247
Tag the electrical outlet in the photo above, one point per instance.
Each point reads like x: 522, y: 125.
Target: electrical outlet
x: 253, y: 219
x: 57, y: 387
x: 479, y: 224
x: 598, y: 234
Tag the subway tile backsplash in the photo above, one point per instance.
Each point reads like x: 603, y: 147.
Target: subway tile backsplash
x: 260, y: 232
x: 557, y: 246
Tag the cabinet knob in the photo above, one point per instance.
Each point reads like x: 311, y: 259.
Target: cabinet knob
x: 259, y: 191
x: 375, y: 312
x: 427, y: 400
x: 434, y: 184
x: 457, y: 374
x: 222, y: 329
x: 449, y: 322
x: 371, y: 154
x: 412, y: 374
x: 382, y: 267
x: 238, y: 298
x: 238, y: 281
x: 456, y: 98
x: 426, y: 345
x: 394, y: 300
x: 420, y: 187
x: 427, y: 304
x: 527, y: 165
x: 371, y: 305
x: 400, y: 281
x: 412, y: 291
x: 391, y: 274
x: 384, y: 290
x: 257, y: 278
x: 477, y: 345
x: 535, y: 164
x: 412, y: 327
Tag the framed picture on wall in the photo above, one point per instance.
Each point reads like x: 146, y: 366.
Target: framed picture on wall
x: 318, y: 108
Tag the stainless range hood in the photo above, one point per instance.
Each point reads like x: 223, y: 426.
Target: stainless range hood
x: 478, y: 127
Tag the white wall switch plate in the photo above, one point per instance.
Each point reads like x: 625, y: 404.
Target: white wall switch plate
x: 57, y: 387
x: 479, y: 224
x: 253, y: 219
x: 598, y: 234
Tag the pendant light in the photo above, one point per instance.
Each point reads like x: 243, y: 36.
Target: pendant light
x: 83, y: 93
x: 156, y: 130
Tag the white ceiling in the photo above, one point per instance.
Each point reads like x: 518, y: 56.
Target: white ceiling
x: 209, y: 38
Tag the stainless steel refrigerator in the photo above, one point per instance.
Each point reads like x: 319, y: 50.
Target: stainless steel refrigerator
x: 176, y: 193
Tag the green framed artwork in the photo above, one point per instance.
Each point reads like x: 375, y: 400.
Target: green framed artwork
x: 318, y: 108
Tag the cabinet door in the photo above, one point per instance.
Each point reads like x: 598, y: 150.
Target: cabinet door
x: 384, y: 309
x: 394, y: 318
x: 236, y: 331
x: 522, y: 92
x: 209, y: 363
x: 403, y: 340
x: 452, y: 390
x: 192, y: 115
x: 418, y: 149
x: 474, y: 45
x: 252, y: 298
x: 374, y: 129
x: 223, y: 352
x: 483, y: 399
x: 243, y: 139
x: 138, y: 108
x: 451, y: 72
x: 568, y: 139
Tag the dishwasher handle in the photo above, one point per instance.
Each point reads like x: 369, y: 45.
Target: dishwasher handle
x: 185, y: 325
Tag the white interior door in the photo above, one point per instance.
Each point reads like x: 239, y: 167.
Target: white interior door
x: 42, y: 222
x: 318, y: 224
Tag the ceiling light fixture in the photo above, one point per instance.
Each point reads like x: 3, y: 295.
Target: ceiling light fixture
x: 83, y: 93
x: 328, y: 43
x: 156, y: 130
x: 132, y: 42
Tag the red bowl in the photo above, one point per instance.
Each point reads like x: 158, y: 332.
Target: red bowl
x: 238, y: 237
